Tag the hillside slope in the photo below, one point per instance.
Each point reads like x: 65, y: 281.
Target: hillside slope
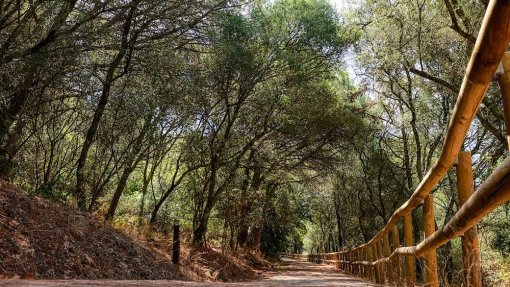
x: 43, y: 239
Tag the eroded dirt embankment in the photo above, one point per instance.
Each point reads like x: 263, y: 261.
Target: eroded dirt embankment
x: 44, y: 239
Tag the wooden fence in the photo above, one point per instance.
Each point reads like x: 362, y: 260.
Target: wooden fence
x: 386, y: 258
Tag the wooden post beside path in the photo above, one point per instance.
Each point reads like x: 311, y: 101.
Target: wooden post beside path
x: 176, y: 245
x: 470, y: 246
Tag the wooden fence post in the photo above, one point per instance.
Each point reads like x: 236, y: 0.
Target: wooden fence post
x: 374, y: 258
x: 408, y: 241
x: 368, y: 270
x: 351, y: 259
x: 366, y: 267
x: 429, y: 227
x: 360, y: 258
x: 470, y: 246
x: 354, y: 259
x: 346, y: 266
x: 348, y: 256
x: 336, y: 257
x: 395, y: 237
x: 387, y: 252
x: 344, y: 258
x: 375, y: 253
x: 371, y: 269
x: 176, y: 245
x: 378, y: 255
x: 504, y: 86
x: 363, y: 258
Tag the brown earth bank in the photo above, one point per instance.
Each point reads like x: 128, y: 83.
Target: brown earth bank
x: 43, y: 239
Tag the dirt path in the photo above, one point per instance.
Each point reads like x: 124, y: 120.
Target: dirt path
x: 291, y: 273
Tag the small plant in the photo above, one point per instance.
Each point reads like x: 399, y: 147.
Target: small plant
x: 501, y: 239
x: 52, y: 191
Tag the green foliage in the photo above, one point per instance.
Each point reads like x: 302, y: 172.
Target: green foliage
x: 501, y: 239
x: 52, y: 190
x: 283, y: 222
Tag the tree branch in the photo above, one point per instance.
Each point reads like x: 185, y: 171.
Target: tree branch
x: 455, y: 23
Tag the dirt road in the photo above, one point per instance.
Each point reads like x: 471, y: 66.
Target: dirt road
x: 291, y: 273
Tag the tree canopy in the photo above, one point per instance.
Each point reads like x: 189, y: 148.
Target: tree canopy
x: 277, y: 126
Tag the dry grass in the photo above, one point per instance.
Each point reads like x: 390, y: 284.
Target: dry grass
x: 204, y: 264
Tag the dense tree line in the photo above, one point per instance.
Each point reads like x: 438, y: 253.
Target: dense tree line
x: 198, y: 111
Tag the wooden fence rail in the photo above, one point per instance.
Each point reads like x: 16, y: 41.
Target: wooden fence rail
x: 385, y: 261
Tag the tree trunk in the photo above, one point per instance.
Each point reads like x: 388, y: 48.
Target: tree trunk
x: 340, y: 234
x: 176, y: 181
x: 339, y: 223
x: 200, y: 231
x: 8, y: 138
x: 132, y: 160
x: 159, y: 204
x: 118, y: 192
x: 145, y: 187
x: 246, y: 201
x: 79, y: 192
x: 95, y: 196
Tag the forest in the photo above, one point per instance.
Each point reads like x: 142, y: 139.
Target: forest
x: 263, y: 126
